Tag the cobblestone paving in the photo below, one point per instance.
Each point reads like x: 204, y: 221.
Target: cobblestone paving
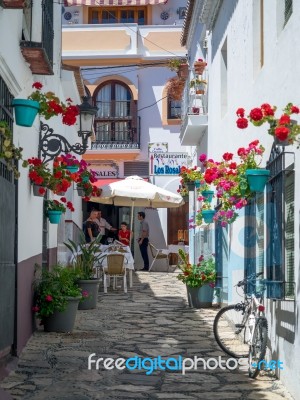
x: 151, y: 320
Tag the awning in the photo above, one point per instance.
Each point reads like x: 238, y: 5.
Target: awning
x: 113, y: 3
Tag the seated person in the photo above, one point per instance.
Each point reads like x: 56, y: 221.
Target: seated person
x: 124, y: 234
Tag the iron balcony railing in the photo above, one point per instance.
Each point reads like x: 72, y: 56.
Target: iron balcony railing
x: 116, y: 137
x: 48, y: 29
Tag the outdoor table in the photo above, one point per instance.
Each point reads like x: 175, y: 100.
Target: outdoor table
x: 124, y: 250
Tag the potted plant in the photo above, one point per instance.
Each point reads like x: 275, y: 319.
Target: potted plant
x: 284, y: 129
x: 183, y: 191
x: 46, y: 104
x: 61, y: 179
x: 8, y: 151
x: 85, y: 179
x: 54, y: 209
x: 206, y: 213
x: 70, y: 162
x: 39, y: 175
x: 189, y: 176
x: 199, y: 279
x: 56, y: 299
x: 85, y: 256
x: 199, y: 66
x: 199, y: 85
x: 175, y: 88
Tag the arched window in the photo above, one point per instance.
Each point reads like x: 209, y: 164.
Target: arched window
x: 116, y: 120
x: 174, y: 108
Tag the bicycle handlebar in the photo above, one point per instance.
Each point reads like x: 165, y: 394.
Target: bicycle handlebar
x: 248, y: 278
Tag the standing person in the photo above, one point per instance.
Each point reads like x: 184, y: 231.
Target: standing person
x: 91, y: 227
x: 143, y: 239
x: 124, y: 234
x: 102, y: 225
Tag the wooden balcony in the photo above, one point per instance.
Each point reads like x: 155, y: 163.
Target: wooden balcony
x: 36, y: 56
x: 18, y: 4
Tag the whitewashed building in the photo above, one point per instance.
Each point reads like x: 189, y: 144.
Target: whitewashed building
x: 30, y: 51
x: 123, y: 52
x: 253, y: 58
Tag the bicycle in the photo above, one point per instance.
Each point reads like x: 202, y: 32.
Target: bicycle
x: 241, y: 329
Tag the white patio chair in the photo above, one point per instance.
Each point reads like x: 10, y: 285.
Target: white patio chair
x: 115, y: 267
x: 159, y: 254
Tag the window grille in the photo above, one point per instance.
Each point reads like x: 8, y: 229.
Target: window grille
x: 7, y: 116
x: 140, y: 168
x: 280, y: 226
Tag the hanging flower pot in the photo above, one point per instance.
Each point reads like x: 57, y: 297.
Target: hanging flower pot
x: 190, y: 185
x: 208, y: 215
x: 208, y: 195
x: 39, y: 190
x: 257, y: 179
x: 199, y: 67
x: 54, y: 216
x: 72, y: 168
x: 25, y: 111
x: 80, y: 191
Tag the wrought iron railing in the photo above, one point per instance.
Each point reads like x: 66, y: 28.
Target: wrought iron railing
x: 126, y: 138
x: 47, y: 29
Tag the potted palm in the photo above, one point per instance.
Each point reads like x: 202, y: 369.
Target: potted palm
x: 56, y: 299
x: 199, y: 279
x: 85, y: 256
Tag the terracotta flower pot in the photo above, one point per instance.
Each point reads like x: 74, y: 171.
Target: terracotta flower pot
x: 199, y: 67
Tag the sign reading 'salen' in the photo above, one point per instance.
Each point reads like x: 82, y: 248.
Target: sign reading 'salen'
x: 167, y: 163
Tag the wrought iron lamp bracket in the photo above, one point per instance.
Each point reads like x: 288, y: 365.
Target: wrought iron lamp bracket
x: 52, y: 144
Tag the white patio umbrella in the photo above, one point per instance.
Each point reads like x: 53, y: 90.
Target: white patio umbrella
x: 134, y: 191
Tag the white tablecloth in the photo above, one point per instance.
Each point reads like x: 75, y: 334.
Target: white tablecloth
x: 173, y: 248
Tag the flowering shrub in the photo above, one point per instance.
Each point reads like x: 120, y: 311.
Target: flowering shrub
x: 282, y: 128
x: 8, y: 150
x: 61, y: 179
x: 196, y: 275
x: 51, y: 105
x: 51, y: 292
x: 70, y: 161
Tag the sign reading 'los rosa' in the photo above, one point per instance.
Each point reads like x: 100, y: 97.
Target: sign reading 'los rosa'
x: 167, y: 163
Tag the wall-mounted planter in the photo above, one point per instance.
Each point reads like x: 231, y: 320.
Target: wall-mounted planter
x: 54, y: 216
x: 208, y: 216
x: 199, y: 67
x: 208, y: 195
x: 80, y: 191
x: 38, y: 190
x: 257, y: 179
x: 183, y: 71
x: 72, y: 168
x: 25, y: 111
x: 190, y: 186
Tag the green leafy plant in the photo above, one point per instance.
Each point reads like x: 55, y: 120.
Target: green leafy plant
x: 197, y: 275
x: 196, y: 82
x: 8, y: 150
x: 86, y: 255
x: 174, y: 63
x: 52, y: 290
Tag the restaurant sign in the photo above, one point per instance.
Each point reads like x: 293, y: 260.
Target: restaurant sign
x: 167, y: 163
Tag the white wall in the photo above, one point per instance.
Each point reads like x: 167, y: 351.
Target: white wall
x: 248, y: 86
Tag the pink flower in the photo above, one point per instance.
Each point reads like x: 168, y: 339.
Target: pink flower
x: 48, y: 298
x: 85, y: 293
x: 35, y: 309
x: 202, y: 157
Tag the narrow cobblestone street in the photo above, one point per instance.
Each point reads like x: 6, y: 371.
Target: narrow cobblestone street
x: 152, y: 319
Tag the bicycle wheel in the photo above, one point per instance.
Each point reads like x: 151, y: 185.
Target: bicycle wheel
x: 258, y: 347
x: 230, y: 330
